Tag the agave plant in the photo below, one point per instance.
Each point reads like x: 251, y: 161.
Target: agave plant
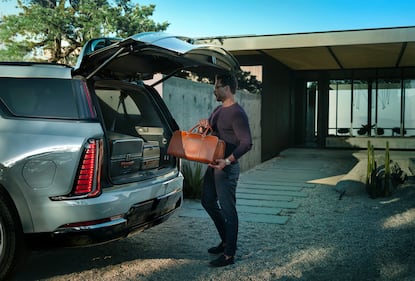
x: 193, y: 179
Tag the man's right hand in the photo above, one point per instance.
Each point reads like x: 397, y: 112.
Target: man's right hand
x: 204, y: 123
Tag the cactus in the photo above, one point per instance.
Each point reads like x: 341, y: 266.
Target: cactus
x: 371, y: 170
x: 369, y: 162
x: 387, y: 171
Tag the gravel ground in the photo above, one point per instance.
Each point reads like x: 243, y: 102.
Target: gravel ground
x: 355, y: 238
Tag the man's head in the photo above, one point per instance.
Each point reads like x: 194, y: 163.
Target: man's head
x: 225, y: 87
x: 227, y: 80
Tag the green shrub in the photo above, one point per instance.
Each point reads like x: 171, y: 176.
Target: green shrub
x: 193, y: 180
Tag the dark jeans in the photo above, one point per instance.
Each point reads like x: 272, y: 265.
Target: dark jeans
x: 220, y: 186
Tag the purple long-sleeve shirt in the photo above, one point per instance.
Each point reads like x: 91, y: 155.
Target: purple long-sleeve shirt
x: 231, y: 125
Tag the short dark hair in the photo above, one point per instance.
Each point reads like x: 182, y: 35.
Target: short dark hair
x: 228, y: 80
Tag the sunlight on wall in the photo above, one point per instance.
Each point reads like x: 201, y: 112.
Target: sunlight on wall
x: 255, y: 70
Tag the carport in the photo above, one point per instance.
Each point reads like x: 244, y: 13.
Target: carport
x: 298, y: 71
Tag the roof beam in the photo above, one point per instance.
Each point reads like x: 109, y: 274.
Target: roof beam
x: 335, y: 57
x: 403, y: 48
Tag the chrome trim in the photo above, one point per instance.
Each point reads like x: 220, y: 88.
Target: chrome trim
x: 64, y: 230
x: 177, y: 190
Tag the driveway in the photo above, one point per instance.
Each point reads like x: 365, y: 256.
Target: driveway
x: 322, y: 238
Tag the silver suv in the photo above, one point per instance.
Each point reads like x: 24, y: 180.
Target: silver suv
x: 83, y: 150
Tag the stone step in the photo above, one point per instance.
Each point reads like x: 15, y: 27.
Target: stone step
x: 263, y: 197
x: 273, y: 182
x: 263, y: 203
x: 270, y: 186
x: 257, y: 210
x: 257, y: 190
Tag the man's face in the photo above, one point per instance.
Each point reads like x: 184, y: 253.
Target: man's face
x: 219, y: 90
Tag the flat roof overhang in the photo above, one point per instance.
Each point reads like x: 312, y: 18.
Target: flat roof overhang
x: 332, y: 50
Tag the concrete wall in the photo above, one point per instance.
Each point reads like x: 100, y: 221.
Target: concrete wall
x: 190, y: 101
x: 276, y: 105
x: 277, y: 108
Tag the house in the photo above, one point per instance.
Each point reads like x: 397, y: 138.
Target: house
x: 332, y: 89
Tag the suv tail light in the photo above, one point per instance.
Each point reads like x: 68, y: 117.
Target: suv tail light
x: 88, y: 179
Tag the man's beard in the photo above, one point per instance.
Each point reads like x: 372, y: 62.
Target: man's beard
x: 219, y: 97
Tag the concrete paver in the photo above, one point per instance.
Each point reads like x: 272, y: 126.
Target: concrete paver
x: 280, y: 184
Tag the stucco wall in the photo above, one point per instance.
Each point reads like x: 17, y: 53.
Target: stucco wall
x: 190, y: 101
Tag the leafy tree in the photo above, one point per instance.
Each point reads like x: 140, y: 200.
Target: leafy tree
x: 246, y: 81
x: 249, y: 82
x: 58, y: 28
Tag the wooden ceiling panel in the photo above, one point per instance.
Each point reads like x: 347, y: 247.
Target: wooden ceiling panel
x: 305, y: 58
x: 368, y: 56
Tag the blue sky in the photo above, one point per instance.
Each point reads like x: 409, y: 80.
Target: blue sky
x: 196, y: 18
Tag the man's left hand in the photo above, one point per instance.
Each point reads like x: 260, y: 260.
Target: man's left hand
x: 218, y: 164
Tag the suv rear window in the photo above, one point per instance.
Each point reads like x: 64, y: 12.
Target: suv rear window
x: 131, y: 113
x: 46, y: 98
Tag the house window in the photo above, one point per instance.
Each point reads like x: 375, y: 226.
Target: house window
x: 388, y: 106
x: 384, y: 107
x: 340, y: 101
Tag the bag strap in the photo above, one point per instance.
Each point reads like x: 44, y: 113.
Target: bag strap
x: 205, y: 132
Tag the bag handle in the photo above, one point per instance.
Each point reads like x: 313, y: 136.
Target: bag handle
x: 205, y: 130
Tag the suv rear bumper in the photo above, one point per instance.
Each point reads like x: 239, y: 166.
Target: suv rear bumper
x: 139, y: 217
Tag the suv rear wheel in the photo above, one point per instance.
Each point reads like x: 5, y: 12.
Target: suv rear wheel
x: 12, y: 246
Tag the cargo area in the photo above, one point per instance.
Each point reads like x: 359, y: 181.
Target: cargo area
x: 137, y: 134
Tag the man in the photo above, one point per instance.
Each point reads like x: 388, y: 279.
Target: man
x: 230, y: 123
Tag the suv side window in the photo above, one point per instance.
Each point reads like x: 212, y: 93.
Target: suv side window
x: 46, y: 98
